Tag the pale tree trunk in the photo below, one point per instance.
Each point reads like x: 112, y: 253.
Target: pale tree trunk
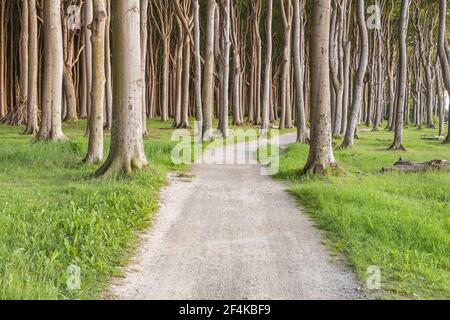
x: 321, y: 158
x: 127, y: 146
x: 358, y: 90
x: 2, y: 59
x: 178, y: 90
x: 109, y: 93
x: 53, y: 74
x: 287, y: 14
x: 95, y: 126
x: 33, y: 52
x: 268, y: 72
x: 302, y: 130
x: 226, y: 44
x: 198, y: 69
x: 88, y: 16
x: 208, y: 72
x: 440, y: 97
x: 68, y: 82
x: 184, y: 60
x: 402, y: 77
x: 144, y: 44
x: 163, y: 23
x: 236, y: 67
x: 444, y: 53
x: 24, y: 57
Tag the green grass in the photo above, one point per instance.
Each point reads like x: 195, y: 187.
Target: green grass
x: 53, y: 215
x: 399, y: 222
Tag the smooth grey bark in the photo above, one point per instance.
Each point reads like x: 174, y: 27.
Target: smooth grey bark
x: 402, y: 76
x: 109, y: 93
x: 302, y: 130
x: 287, y: 14
x: 198, y: 69
x: 24, y: 57
x: 444, y: 52
x: 95, y: 126
x: 33, y: 47
x: 268, y: 72
x: 358, y: 87
x: 51, y: 128
x: 226, y: 45
x: 144, y: 46
x: 3, y: 102
x: 88, y: 17
x: 208, y: 72
x: 127, y: 146
x: 321, y: 158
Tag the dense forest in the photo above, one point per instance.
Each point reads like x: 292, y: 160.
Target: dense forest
x: 252, y: 60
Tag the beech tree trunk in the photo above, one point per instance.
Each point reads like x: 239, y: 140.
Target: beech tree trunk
x: 24, y: 57
x: 302, y: 130
x: 198, y: 69
x: 127, y: 147
x: 321, y: 157
x: 109, y: 93
x: 267, y: 73
x: 402, y: 77
x: 444, y: 52
x: 144, y: 45
x: 33, y: 52
x: 3, y: 108
x: 95, y: 126
x: 53, y: 74
x: 208, y: 72
x: 226, y: 45
x: 358, y: 89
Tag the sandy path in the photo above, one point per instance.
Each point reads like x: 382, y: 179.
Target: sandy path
x: 232, y: 233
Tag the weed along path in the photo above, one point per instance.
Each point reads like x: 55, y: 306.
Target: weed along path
x: 230, y: 232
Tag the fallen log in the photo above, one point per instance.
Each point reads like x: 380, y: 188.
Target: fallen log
x: 408, y: 166
x: 433, y: 138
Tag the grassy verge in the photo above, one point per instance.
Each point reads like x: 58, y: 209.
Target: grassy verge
x: 53, y: 215
x: 399, y: 222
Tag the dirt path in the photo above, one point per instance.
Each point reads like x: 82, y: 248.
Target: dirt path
x: 232, y: 233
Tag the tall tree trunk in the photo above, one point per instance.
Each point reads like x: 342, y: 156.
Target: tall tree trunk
x: 144, y: 44
x: 444, y: 53
x: 24, y: 57
x: 321, y: 157
x: 127, y: 147
x: 98, y: 29
x: 51, y: 128
x: 358, y: 90
x: 226, y: 44
x: 287, y: 14
x: 68, y: 81
x: 208, y: 72
x: 402, y: 77
x: 198, y: 69
x: 2, y: 60
x: 302, y: 130
x: 33, y: 51
x: 267, y: 73
x: 88, y: 17
x: 109, y: 93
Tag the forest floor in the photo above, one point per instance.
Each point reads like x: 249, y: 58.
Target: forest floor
x: 54, y: 216
x: 395, y: 221
x: 230, y: 232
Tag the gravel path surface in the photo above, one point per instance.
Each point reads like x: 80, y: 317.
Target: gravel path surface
x: 231, y: 233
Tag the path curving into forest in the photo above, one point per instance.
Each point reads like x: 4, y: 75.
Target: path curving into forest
x: 231, y: 233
